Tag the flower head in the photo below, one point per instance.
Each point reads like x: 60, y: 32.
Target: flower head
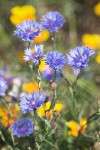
x: 97, y: 9
x: 30, y: 102
x: 77, y: 128
x: 91, y: 40
x: 27, y: 30
x: 78, y: 57
x: 43, y: 110
x: 7, y: 117
x: 21, y: 13
x: 34, y: 54
x: 22, y: 127
x: 3, y: 86
x: 52, y: 21
x: 55, y: 60
x: 30, y: 87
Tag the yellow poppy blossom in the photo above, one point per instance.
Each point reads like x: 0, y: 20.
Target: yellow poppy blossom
x: 8, y: 116
x: 76, y: 128
x: 30, y: 87
x: 21, y: 13
x: 91, y: 40
x: 97, y: 9
x: 44, y: 36
x: 43, y: 110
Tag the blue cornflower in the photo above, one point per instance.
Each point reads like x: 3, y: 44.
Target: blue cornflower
x: 22, y: 127
x: 55, y: 60
x: 78, y: 57
x: 34, y: 54
x: 3, y: 86
x: 52, y: 21
x: 30, y: 102
x: 28, y: 30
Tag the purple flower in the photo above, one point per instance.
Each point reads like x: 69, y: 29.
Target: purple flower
x: 30, y: 102
x: 55, y: 60
x: 22, y: 127
x: 27, y: 30
x: 3, y: 86
x: 78, y: 57
x: 34, y: 54
x: 52, y: 21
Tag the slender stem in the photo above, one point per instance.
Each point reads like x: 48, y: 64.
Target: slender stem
x: 13, y: 140
x: 53, y: 130
x: 54, y: 91
x: 62, y: 75
x: 39, y: 79
x: 75, y: 81
x: 49, y: 143
x: 92, y: 116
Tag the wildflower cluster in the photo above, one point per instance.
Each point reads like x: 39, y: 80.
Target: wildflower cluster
x: 33, y: 99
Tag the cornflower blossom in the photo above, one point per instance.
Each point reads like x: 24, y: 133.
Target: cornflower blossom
x: 22, y: 127
x: 30, y: 102
x: 52, y: 21
x: 78, y: 57
x: 28, y: 30
x: 55, y: 60
x: 3, y: 86
x: 34, y: 54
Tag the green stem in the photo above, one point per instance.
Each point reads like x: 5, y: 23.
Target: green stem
x: 75, y: 81
x: 92, y: 116
x: 74, y: 92
x: 62, y: 75
x: 49, y: 143
x: 39, y: 80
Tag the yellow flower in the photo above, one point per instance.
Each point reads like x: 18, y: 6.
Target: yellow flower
x: 83, y: 124
x: 42, y: 64
x: 44, y: 36
x: 91, y: 40
x: 98, y: 59
x: 43, y: 110
x: 58, y: 107
x: 21, y: 13
x: 97, y: 9
x: 76, y: 128
x: 30, y: 87
x: 8, y: 116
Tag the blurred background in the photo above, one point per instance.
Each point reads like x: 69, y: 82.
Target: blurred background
x: 82, y: 27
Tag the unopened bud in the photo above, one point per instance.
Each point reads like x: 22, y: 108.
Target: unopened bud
x: 53, y: 84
